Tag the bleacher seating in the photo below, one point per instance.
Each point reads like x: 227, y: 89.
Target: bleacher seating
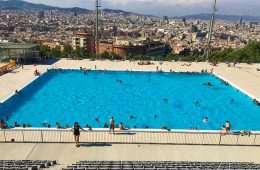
x: 159, y: 165
x: 25, y: 164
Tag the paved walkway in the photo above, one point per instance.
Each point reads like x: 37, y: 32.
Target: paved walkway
x: 67, y: 154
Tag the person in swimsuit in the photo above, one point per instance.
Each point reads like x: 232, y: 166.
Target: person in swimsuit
x: 228, y: 126
x: 76, y: 131
x: 112, y: 125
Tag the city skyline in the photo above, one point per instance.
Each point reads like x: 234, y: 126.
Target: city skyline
x: 165, y: 7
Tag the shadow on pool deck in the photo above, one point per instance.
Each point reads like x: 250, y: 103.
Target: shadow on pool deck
x: 95, y: 145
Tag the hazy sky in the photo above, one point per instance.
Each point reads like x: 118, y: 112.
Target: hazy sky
x: 165, y: 7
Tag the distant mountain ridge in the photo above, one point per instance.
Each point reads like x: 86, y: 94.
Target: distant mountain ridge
x: 23, y: 5
x: 220, y: 17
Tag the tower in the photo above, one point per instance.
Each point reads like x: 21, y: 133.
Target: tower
x: 97, y: 30
x: 211, y: 28
x: 241, y: 21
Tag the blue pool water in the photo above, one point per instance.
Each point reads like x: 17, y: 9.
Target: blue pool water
x: 68, y: 96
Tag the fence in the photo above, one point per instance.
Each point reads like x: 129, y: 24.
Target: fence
x: 130, y: 136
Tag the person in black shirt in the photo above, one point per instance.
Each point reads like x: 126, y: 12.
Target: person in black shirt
x: 76, y: 131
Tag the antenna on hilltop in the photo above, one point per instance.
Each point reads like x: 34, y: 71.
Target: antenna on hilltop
x: 96, y: 30
x: 211, y: 28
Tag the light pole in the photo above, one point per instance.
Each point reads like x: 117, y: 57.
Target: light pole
x: 211, y: 29
x: 96, y: 30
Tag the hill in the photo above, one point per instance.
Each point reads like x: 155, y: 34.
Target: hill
x: 219, y: 17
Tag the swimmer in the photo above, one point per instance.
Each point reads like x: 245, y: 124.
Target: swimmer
x: 207, y: 84
x: 16, y: 124
x: 232, y: 100
x: 44, y: 123
x: 164, y: 127
x: 28, y: 125
x: 58, y: 125
x: 96, y: 119
x: 105, y: 125
x: 165, y: 100
x: 146, y: 127
x: 206, y: 120
x: 49, y: 126
x: 197, y: 103
x: 196, y: 128
x: 7, y: 118
x: 155, y: 116
x: 131, y: 117
x: 134, y: 127
x: 24, y: 125
x: 87, y: 126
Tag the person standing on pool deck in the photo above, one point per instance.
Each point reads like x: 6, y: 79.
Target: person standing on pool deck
x: 112, y: 125
x: 76, y: 131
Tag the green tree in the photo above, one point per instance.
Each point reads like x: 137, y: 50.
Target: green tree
x: 67, y: 51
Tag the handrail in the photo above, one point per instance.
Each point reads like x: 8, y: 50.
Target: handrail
x: 129, y: 136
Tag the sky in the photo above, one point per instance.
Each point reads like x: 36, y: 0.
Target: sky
x: 165, y: 7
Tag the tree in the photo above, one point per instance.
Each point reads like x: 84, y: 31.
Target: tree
x: 67, y: 51
x: 55, y: 52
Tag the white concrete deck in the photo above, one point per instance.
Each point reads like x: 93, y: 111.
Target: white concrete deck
x: 67, y: 154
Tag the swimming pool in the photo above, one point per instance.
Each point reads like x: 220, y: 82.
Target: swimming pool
x: 153, y: 100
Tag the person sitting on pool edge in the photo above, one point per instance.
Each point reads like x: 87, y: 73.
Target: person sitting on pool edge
x: 37, y: 73
x: 228, y: 126
x: 164, y: 127
x: 121, y: 127
x: 223, y: 129
x: 3, y: 125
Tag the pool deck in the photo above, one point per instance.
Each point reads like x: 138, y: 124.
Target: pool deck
x: 244, y: 77
x: 67, y: 154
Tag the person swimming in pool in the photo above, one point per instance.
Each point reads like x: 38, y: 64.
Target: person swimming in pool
x: 105, y: 125
x: 165, y: 100
x: 197, y: 103
x: 155, y: 116
x: 207, y: 84
x: 96, y: 119
x: 131, y: 117
x: 206, y: 120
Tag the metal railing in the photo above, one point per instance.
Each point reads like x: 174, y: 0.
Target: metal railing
x: 130, y: 136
